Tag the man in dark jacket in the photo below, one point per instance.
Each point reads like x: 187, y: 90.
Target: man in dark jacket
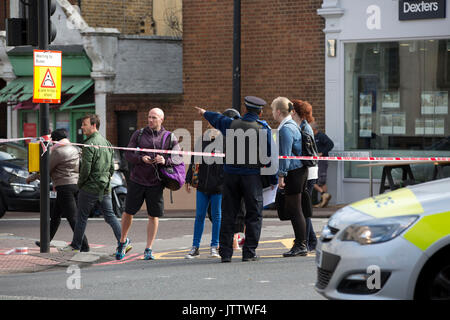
x: 324, y: 145
x: 145, y: 182
x: 94, y: 182
x: 242, y: 175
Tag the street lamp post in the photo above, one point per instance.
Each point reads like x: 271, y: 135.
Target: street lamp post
x: 237, y: 55
x: 44, y: 128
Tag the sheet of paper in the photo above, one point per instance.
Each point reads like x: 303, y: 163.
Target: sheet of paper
x: 269, y: 195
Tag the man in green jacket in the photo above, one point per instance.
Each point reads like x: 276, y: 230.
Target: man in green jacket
x: 94, y: 182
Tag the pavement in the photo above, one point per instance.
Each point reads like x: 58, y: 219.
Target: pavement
x: 21, y: 255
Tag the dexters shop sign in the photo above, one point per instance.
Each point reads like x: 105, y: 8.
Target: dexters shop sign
x: 421, y: 9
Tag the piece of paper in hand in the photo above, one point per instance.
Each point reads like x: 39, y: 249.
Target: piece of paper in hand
x: 269, y: 195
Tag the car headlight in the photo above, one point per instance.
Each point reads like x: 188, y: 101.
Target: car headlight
x: 19, y: 187
x: 17, y: 172
x: 377, y: 230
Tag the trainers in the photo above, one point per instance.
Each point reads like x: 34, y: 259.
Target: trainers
x: 193, y: 253
x: 148, y: 254
x: 123, y: 248
x: 69, y: 248
x: 325, y: 199
x: 214, y: 253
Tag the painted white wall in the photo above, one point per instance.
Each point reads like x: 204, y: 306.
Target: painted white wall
x: 361, y: 21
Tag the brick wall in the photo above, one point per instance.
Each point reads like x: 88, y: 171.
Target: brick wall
x: 282, y: 55
x: 169, y: 103
x: 125, y: 15
x: 282, y: 46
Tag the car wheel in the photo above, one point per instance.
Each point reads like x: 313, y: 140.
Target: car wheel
x: 118, y: 210
x: 434, y: 282
x: 2, y: 208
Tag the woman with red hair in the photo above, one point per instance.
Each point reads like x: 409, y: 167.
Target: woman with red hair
x: 302, y: 114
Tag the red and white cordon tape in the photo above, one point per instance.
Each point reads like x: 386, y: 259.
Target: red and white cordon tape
x: 222, y: 155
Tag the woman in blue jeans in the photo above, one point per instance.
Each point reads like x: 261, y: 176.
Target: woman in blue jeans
x: 207, y: 177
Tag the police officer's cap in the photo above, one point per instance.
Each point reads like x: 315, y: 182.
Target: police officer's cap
x: 254, y: 102
x: 231, y: 113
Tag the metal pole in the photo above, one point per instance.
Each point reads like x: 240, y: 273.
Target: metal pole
x: 237, y: 56
x: 44, y: 130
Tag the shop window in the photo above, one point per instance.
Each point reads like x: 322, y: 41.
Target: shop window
x: 397, y: 100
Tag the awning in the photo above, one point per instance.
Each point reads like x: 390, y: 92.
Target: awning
x: 21, y: 90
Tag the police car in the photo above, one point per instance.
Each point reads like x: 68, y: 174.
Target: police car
x: 392, y: 246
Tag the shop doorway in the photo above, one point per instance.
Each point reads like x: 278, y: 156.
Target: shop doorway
x: 126, y: 126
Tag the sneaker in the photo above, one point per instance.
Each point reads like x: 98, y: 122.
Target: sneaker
x: 193, y: 253
x: 69, y: 248
x: 123, y: 248
x: 214, y: 253
x: 148, y: 254
x: 325, y: 199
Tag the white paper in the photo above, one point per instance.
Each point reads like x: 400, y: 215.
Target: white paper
x: 313, y: 172
x: 269, y: 195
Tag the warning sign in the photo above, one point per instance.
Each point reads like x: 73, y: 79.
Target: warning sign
x: 48, y: 80
x: 47, y: 76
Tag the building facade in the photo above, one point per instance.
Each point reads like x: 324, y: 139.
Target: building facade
x: 387, y: 80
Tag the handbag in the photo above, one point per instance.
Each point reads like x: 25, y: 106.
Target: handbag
x: 283, y: 214
x: 174, y: 176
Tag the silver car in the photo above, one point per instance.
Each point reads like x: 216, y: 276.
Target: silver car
x: 392, y: 246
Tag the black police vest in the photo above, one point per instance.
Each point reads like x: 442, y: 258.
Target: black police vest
x: 246, y: 144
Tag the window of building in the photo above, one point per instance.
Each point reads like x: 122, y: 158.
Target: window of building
x: 397, y: 100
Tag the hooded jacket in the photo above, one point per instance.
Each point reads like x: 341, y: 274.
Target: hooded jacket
x: 64, y: 163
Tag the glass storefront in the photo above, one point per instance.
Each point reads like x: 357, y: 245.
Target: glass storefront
x: 397, y: 101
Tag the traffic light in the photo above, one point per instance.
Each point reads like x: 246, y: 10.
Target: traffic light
x: 16, y: 32
x: 32, y: 22
x: 24, y: 31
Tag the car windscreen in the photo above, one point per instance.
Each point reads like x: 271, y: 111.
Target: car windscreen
x: 11, y: 151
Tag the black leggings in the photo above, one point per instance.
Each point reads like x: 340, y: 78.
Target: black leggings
x: 295, y: 184
x: 65, y: 206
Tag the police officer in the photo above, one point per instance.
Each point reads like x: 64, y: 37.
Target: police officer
x: 242, y: 175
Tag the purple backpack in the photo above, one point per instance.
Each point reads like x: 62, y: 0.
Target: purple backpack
x: 173, y: 177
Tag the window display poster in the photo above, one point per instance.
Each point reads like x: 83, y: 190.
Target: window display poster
x: 29, y: 130
x: 390, y: 100
x: 386, y: 123
x: 429, y: 126
x: 365, y: 125
x: 439, y: 127
x: 399, y: 123
x: 427, y: 103
x: 441, y: 102
x: 365, y: 103
x: 420, y: 127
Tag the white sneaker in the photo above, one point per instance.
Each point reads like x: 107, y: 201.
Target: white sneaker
x: 193, y: 253
x: 214, y: 253
x: 68, y: 248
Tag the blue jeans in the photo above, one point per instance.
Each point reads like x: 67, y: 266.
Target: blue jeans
x: 86, y: 202
x: 203, y: 200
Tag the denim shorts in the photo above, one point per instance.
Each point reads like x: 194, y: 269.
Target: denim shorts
x: 153, y: 196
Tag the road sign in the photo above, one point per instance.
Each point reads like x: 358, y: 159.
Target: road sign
x: 47, y: 76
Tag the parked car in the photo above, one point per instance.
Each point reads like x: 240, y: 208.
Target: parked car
x: 15, y: 193
x: 392, y: 246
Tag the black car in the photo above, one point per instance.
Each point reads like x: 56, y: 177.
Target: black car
x: 15, y: 193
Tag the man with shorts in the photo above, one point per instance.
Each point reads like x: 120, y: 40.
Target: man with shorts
x: 324, y: 145
x: 145, y: 183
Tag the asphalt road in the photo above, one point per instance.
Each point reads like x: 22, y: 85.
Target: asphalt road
x: 170, y: 276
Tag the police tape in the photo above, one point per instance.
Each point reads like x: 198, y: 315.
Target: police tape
x: 45, y: 140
